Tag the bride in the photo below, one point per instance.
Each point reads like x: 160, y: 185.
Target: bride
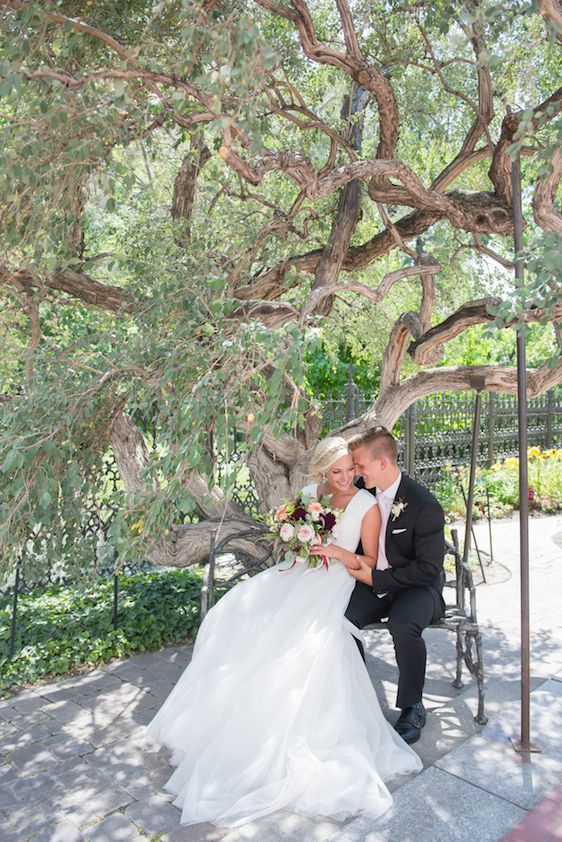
x: 276, y: 709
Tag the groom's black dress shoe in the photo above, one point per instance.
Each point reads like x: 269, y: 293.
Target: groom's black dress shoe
x: 410, y: 722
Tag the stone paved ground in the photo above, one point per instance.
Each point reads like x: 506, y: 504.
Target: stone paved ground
x: 74, y: 764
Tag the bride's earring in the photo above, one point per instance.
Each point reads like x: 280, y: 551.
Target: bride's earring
x: 324, y: 477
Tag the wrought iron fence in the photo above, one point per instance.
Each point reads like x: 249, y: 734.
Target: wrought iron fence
x: 436, y: 431
x: 233, y: 473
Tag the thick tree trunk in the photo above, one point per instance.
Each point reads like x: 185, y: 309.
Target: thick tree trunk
x: 279, y: 469
x: 189, y: 543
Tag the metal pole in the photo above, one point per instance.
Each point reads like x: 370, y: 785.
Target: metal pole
x: 15, y: 610
x: 208, y: 584
x: 474, y: 541
x: 349, y: 409
x: 212, y: 560
x: 473, y: 460
x: 411, y: 440
x: 115, y: 613
x: 549, y: 419
x: 489, y: 524
x: 115, y: 618
x: 524, y: 743
x: 491, y: 426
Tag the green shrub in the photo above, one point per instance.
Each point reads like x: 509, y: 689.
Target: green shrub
x: 69, y: 626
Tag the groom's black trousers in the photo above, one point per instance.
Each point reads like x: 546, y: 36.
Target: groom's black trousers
x: 409, y: 612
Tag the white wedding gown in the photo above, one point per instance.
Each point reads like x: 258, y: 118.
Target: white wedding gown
x: 276, y: 709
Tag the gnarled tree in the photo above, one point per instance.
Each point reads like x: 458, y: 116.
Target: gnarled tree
x: 191, y: 189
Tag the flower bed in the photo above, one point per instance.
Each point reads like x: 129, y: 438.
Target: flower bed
x: 500, y: 484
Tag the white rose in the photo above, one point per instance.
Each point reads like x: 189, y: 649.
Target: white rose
x: 286, y: 532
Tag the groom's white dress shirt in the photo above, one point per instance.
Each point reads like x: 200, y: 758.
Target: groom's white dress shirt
x: 385, y: 500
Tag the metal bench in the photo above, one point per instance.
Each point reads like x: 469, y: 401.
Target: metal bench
x: 244, y: 565
x: 460, y: 616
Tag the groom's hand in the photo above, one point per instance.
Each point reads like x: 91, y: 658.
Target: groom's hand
x: 363, y: 572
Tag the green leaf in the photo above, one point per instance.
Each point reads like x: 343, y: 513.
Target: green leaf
x: 45, y: 499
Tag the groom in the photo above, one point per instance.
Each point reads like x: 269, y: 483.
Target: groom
x: 406, y: 585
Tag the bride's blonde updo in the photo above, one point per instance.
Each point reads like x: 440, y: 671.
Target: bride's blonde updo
x: 326, y: 452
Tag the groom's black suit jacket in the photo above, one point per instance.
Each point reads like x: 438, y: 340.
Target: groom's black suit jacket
x: 414, y: 543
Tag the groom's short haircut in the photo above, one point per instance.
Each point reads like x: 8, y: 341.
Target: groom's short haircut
x: 380, y: 442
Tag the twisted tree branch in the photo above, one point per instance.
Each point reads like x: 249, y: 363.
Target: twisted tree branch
x: 546, y: 215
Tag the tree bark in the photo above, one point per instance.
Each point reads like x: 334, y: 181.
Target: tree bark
x: 77, y: 284
x: 551, y: 10
x: 185, y: 185
x: 424, y: 348
x: 392, y: 404
x: 349, y: 207
x: 544, y: 211
x: 190, y: 542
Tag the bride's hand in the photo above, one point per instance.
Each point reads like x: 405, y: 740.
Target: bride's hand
x: 328, y: 550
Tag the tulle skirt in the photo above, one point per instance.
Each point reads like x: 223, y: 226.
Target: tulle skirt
x: 277, y: 710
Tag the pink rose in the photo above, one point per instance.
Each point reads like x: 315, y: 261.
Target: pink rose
x: 282, y: 513
x: 315, y: 510
x: 305, y: 533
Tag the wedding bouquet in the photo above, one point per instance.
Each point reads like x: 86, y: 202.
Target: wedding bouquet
x: 299, y: 524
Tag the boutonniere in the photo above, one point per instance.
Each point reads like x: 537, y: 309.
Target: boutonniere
x: 397, y: 508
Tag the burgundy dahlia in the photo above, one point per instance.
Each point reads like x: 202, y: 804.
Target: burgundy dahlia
x: 328, y: 520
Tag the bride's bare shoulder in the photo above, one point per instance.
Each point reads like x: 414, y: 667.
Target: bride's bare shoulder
x: 310, y: 490
x: 366, y: 498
